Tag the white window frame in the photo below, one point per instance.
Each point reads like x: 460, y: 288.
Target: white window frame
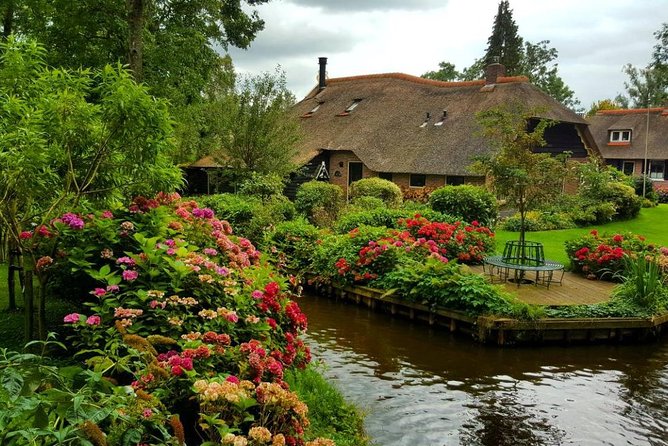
x: 651, y: 174
x: 633, y: 166
x: 620, y: 135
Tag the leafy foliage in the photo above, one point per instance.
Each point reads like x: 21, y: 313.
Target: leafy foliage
x: 386, y: 190
x: 292, y: 244
x: 389, y: 218
x: 319, y: 201
x: 257, y: 133
x: 183, y: 319
x: 504, y: 44
x: 467, y: 202
x: 526, y: 179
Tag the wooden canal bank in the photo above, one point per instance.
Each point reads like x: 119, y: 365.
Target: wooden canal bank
x: 505, y: 331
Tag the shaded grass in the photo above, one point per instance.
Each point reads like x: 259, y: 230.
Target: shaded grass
x: 651, y: 223
x: 330, y: 415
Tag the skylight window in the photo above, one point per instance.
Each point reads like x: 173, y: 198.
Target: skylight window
x: 312, y: 111
x: 352, y: 106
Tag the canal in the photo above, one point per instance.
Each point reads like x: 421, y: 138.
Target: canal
x: 425, y: 387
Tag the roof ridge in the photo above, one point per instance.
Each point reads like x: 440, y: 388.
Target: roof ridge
x: 422, y: 80
x: 632, y: 111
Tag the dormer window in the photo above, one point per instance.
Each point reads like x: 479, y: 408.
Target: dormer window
x: 620, y: 136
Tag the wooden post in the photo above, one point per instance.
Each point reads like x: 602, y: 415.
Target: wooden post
x: 28, y: 300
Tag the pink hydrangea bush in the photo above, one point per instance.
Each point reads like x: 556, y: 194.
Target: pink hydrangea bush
x: 184, y: 313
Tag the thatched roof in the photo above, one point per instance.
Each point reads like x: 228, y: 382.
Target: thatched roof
x: 635, y: 120
x: 207, y: 162
x: 385, y: 131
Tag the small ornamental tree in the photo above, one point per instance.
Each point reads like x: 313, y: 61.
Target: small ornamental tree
x: 524, y: 178
x: 73, y: 136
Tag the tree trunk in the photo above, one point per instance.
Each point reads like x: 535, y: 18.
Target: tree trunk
x: 8, y: 20
x: 41, y: 312
x: 28, y: 300
x: 136, y: 40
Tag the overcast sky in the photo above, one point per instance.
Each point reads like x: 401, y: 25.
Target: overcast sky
x: 595, y: 38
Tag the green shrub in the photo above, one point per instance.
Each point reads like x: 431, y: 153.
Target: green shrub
x: 248, y: 215
x: 470, y: 203
x: 539, y: 221
x: 388, y: 218
x: 320, y: 202
x: 650, y: 193
x: 292, y: 244
x: 262, y: 186
x: 642, y: 283
x: 364, y: 204
x: 386, y: 190
x: 662, y: 194
x: 451, y: 286
x: 627, y: 203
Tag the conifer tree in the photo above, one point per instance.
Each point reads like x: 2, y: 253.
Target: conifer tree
x: 504, y: 43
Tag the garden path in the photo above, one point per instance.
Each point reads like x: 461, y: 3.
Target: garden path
x: 574, y: 290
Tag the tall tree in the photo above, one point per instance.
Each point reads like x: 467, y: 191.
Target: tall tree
x: 256, y: 131
x: 171, y: 45
x: 603, y: 104
x: 537, y: 61
x: 446, y: 72
x: 648, y: 87
x: 504, y: 44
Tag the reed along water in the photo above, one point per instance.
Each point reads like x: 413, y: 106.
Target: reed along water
x: 422, y: 386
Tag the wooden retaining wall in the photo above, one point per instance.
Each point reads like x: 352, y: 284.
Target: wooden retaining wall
x: 506, y: 331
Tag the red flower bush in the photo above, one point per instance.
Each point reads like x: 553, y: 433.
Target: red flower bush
x: 601, y: 256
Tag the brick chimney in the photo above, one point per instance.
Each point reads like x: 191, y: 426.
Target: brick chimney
x: 322, y: 77
x: 493, y: 72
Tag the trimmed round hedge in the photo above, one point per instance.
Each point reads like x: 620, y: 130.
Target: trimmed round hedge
x: 385, y: 190
x: 470, y: 203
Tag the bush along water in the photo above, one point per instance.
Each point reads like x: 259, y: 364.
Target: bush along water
x: 419, y: 261
x: 181, y: 322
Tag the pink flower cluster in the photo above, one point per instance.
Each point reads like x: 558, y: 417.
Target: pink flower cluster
x: 177, y: 364
x: 74, y: 318
x: 72, y: 220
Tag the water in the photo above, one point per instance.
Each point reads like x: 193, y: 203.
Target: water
x: 422, y: 386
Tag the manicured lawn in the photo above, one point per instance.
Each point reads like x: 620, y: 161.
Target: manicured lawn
x: 651, y: 223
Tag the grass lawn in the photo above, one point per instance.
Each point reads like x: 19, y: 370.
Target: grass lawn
x: 651, y: 223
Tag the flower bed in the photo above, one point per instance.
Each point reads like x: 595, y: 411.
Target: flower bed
x: 183, y: 316
x: 601, y: 256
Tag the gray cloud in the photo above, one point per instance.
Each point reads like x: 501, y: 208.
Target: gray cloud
x: 349, y: 6
x: 278, y: 43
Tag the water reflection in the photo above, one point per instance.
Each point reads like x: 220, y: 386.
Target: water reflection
x: 422, y: 386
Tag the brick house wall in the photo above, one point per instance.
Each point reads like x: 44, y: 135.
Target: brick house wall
x: 339, y: 170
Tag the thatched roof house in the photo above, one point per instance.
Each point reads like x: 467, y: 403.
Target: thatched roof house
x: 419, y: 132
x: 623, y: 136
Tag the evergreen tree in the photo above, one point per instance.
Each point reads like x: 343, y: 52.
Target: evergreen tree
x: 504, y: 45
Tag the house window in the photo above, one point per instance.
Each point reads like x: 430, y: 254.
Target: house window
x: 628, y: 167
x: 385, y: 176
x: 417, y: 180
x: 455, y: 180
x: 355, y: 170
x: 657, y: 170
x: 620, y: 136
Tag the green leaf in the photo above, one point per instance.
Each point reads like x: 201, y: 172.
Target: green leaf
x: 12, y: 381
